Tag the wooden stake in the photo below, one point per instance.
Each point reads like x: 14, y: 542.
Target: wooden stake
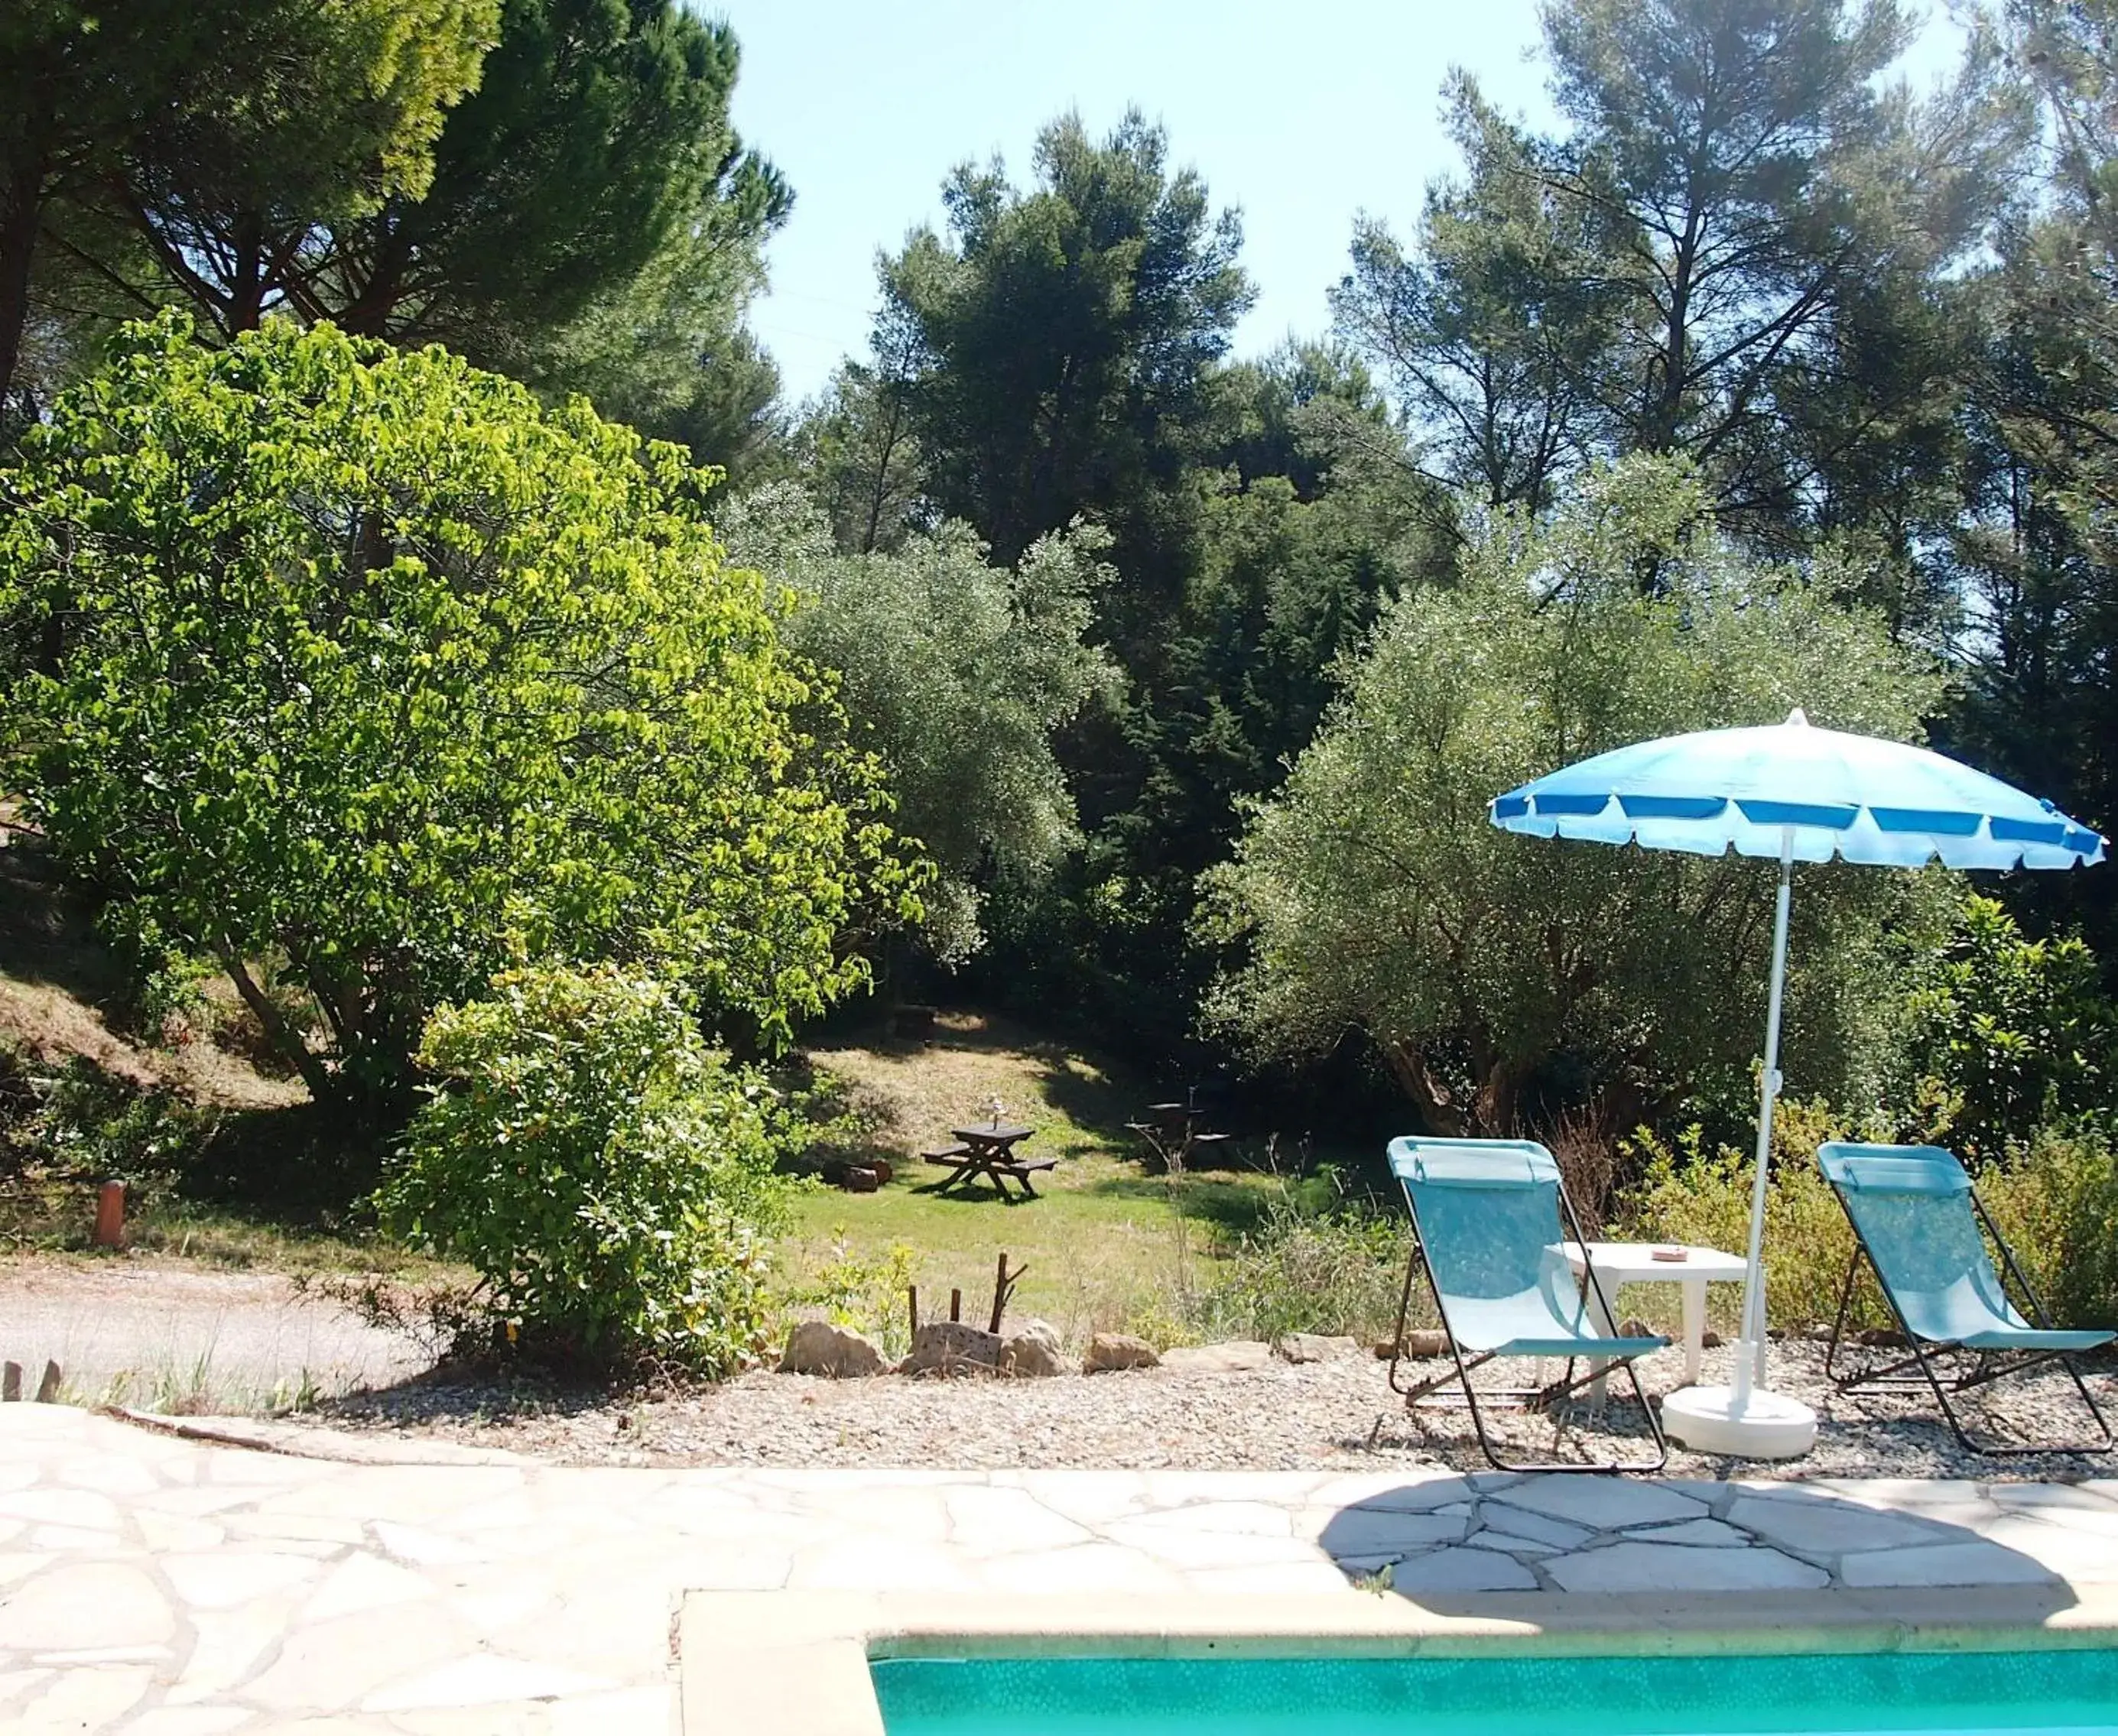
x: 109, y: 1216
x: 1004, y: 1283
x: 48, y: 1388
x: 912, y: 1302
x: 11, y: 1382
x: 955, y: 1305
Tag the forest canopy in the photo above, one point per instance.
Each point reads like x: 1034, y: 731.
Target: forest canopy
x: 413, y: 568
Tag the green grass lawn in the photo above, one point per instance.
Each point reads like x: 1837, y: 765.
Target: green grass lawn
x: 1106, y: 1245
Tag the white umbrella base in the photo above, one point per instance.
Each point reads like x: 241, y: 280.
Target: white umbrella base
x: 1765, y: 1425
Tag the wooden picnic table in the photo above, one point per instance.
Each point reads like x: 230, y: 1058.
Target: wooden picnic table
x: 989, y: 1152
x: 1171, y: 1132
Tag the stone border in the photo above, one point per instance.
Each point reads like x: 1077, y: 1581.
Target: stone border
x: 760, y: 1664
x: 300, y: 1440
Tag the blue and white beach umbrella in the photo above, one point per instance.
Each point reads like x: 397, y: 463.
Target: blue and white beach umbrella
x: 1798, y: 794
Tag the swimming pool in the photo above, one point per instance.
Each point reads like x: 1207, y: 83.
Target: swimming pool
x: 2072, y: 1691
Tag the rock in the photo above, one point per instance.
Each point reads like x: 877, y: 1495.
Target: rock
x: 860, y: 1180
x: 1711, y: 1340
x: 1424, y: 1343
x: 1034, y: 1351
x: 1315, y: 1347
x: 950, y: 1347
x: 1112, y: 1351
x: 1238, y: 1356
x: 1817, y: 1334
x: 818, y: 1347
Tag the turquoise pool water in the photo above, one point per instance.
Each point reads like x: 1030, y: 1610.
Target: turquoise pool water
x: 2070, y: 1690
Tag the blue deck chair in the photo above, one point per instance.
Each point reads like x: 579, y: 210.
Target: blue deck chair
x: 1484, y: 1214
x: 1916, y: 1222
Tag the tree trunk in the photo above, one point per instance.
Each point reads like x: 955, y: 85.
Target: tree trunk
x: 1436, y: 1107
x: 881, y: 491
x: 285, y: 1040
x: 21, y: 209
x: 371, y: 311
x: 1665, y: 408
x: 246, y: 289
x: 1496, y: 1105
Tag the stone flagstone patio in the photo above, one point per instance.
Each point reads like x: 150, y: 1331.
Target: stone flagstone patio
x: 165, y: 1587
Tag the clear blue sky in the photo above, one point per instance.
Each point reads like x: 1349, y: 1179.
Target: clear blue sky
x: 1300, y: 114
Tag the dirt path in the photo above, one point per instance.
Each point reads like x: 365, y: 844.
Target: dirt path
x: 169, y: 1336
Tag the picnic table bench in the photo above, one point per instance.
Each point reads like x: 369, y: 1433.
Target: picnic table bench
x: 1171, y: 1131
x: 989, y: 1152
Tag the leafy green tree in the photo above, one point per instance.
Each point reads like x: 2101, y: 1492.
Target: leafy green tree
x: 1493, y: 328
x: 305, y: 116
x: 1284, y: 588
x: 1067, y: 337
x: 264, y: 104
x: 375, y: 673
x: 608, y: 1178
x: 2017, y: 1030
x: 1300, y: 528
x: 2036, y: 562
x: 596, y: 147
x: 1502, y: 978
x: 668, y: 355
x: 856, y: 449
x: 956, y: 674
x: 1744, y: 248
x: 585, y: 220
x: 67, y: 104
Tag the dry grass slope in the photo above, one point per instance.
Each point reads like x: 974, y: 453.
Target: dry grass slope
x: 57, y: 983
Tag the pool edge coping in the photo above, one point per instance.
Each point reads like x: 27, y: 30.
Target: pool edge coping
x: 757, y: 1662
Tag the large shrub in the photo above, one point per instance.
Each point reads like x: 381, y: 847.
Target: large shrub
x: 607, y: 1175
x: 1501, y: 977
x: 2017, y: 1030
x: 2054, y: 1197
x: 364, y: 661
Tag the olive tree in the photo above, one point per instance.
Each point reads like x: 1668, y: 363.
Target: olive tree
x: 954, y: 673
x: 1502, y: 978
x: 359, y: 668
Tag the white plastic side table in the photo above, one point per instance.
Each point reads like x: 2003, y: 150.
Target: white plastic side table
x: 1619, y: 1263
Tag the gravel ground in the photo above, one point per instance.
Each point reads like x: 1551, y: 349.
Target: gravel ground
x: 150, y: 1332
x: 1332, y: 1415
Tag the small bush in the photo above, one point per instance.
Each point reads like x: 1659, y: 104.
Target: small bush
x: 72, y: 1121
x: 864, y: 1292
x: 1689, y: 1193
x: 167, y: 1004
x: 607, y: 1176
x: 2055, y: 1200
x: 2053, y: 1196
x: 1314, y: 1262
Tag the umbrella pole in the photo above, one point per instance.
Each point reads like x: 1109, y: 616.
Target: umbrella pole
x: 1749, y: 1349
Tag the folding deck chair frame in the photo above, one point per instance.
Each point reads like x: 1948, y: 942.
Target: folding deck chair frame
x: 1424, y: 1393
x: 1988, y: 1364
